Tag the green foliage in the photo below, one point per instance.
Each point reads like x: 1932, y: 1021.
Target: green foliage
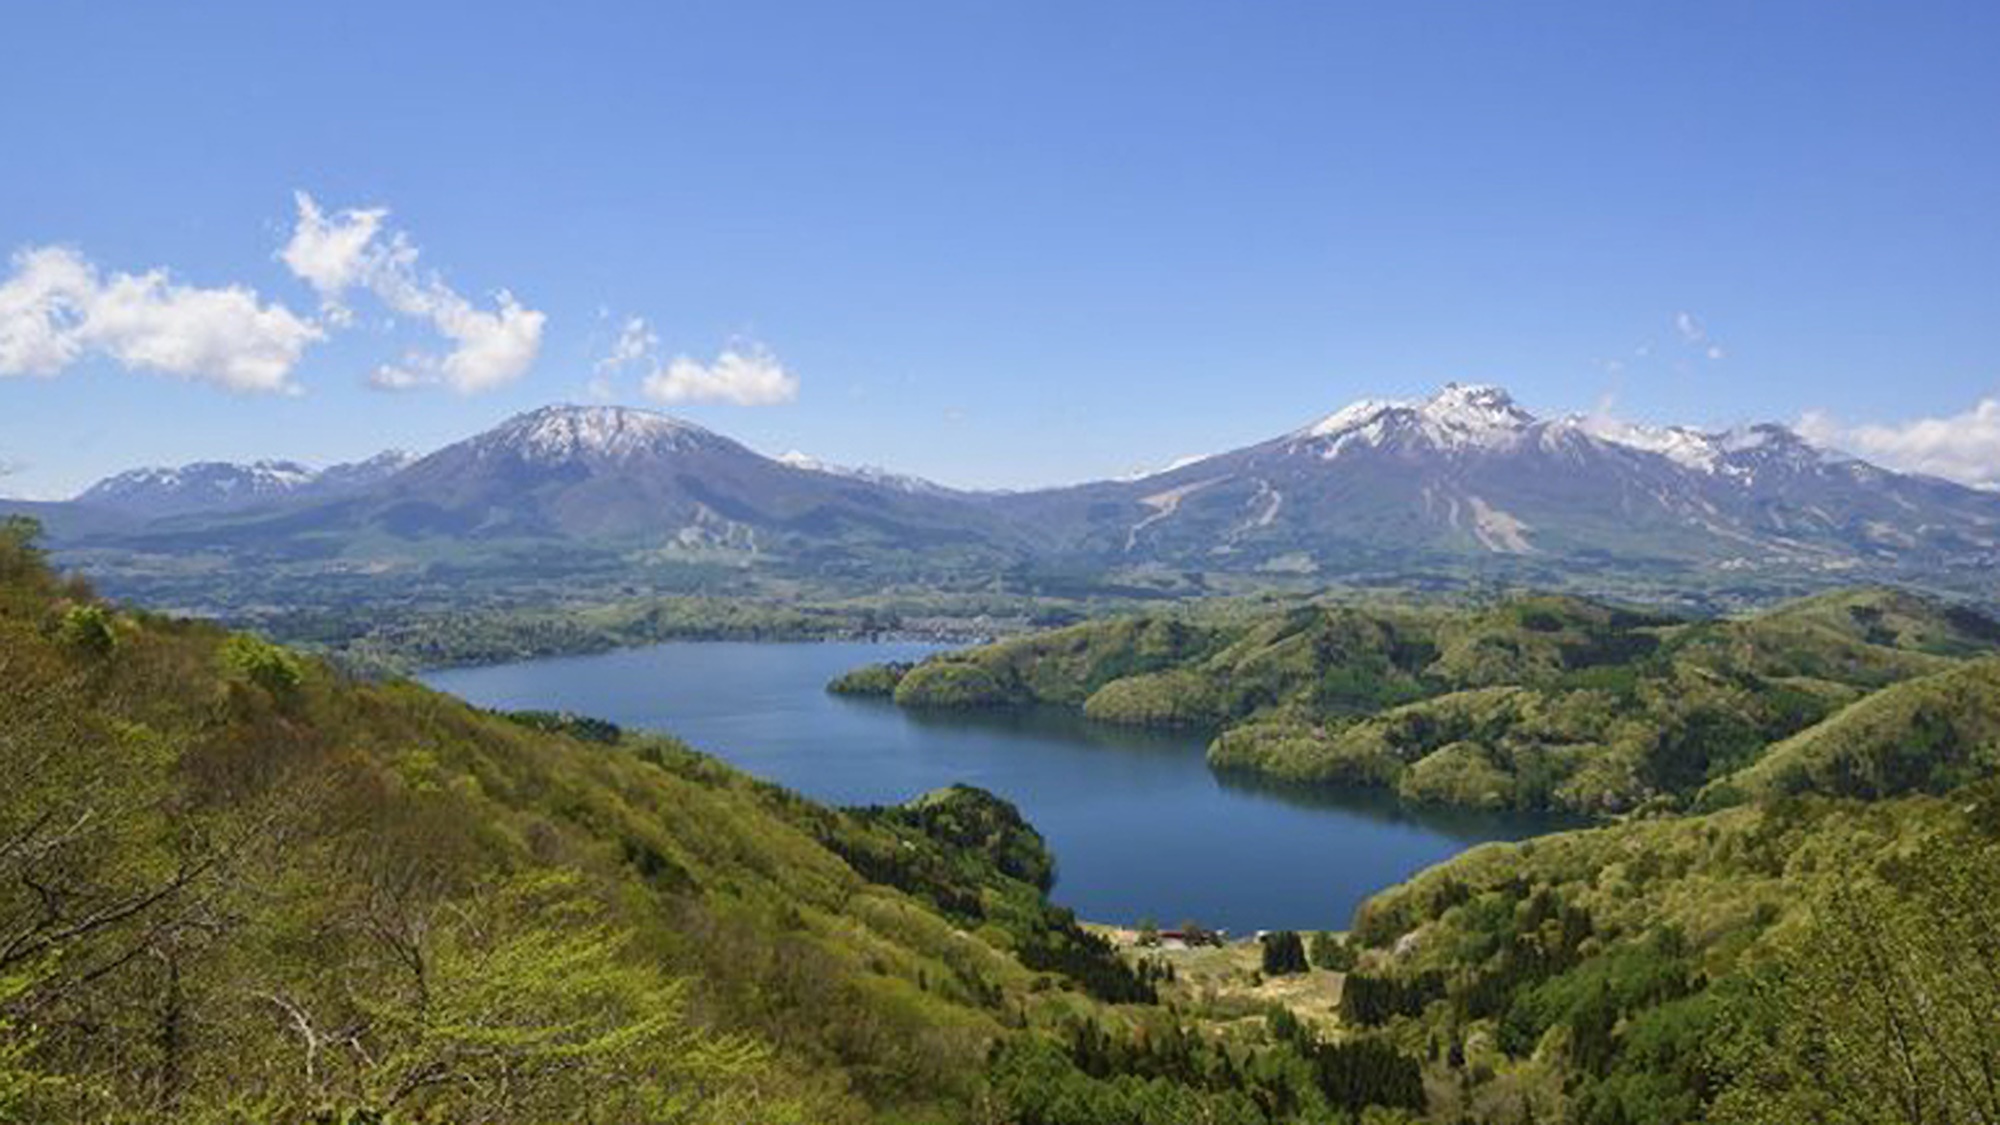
x: 1371, y: 1001
x: 479, y: 634
x: 1154, y: 699
x: 1641, y: 970
x: 25, y: 1090
x: 262, y: 663
x: 584, y: 728
x: 874, y: 679
x: 972, y: 857
x: 1925, y: 735
x: 1881, y: 1008
x: 532, y: 1011
x: 975, y: 822
x: 1064, y: 666
x: 237, y: 887
x: 89, y: 629
x: 1284, y: 952
x: 1535, y: 702
x: 1163, y: 1072
x: 1331, y: 951
x: 18, y: 538
x: 950, y: 684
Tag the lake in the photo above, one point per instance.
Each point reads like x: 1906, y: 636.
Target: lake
x: 1140, y: 826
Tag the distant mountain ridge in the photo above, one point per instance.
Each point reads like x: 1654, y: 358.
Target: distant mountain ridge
x: 214, y: 486
x: 1469, y: 473
x: 1463, y: 484
x: 598, y: 487
x: 873, y: 474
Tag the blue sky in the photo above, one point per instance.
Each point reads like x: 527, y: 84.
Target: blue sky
x: 996, y: 244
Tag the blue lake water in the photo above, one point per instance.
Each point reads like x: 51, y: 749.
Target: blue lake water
x: 1140, y: 826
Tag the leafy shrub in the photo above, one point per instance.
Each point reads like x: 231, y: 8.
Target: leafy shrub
x: 88, y: 629
x: 276, y: 670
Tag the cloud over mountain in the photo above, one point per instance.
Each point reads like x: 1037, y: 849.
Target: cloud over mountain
x: 746, y: 373
x: 1962, y: 447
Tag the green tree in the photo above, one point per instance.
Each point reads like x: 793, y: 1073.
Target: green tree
x: 1330, y: 951
x: 531, y: 1009
x: 1884, y: 1012
x: 1284, y: 953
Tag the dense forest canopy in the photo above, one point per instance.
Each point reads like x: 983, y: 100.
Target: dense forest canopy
x: 1535, y: 702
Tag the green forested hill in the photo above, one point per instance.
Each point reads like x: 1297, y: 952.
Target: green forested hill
x: 239, y: 887
x: 1535, y: 702
x: 1924, y: 735
x: 236, y: 886
x: 1804, y: 960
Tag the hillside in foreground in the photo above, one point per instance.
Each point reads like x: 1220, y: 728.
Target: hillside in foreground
x: 237, y: 886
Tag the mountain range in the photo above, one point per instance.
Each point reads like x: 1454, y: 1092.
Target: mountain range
x: 1469, y: 473
x: 1463, y: 484
x: 219, y: 486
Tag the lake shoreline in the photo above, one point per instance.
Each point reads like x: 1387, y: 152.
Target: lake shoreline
x: 1140, y: 824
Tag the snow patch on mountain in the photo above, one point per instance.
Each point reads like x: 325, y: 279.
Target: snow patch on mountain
x: 1686, y: 447
x: 1174, y: 465
x: 557, y: 434
x: 1479, y: 418
x: 1461, y: 416
x: 221, y: 485
x: 871, y: 474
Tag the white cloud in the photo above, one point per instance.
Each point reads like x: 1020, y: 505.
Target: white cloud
x: 406, y: 376
x: 56, y: 309
x: 635, y: 343
x: 351, y: 250
x: 1695, y: 335
x: 745, y: 374
x: 1964, y: 447
x: 332, y: 255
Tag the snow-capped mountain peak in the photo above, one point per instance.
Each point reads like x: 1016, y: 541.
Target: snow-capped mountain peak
x: 1478, y: 419
x: 221, y: 485
x: 555, y: 434
x: 1458, y: 416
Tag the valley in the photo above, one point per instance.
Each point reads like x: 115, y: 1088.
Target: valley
x: 1526, y: 770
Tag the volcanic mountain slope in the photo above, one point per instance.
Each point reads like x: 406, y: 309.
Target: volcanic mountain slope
x: 1469, y: 474
x: 1463, y: 484
x: 605, y: 481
